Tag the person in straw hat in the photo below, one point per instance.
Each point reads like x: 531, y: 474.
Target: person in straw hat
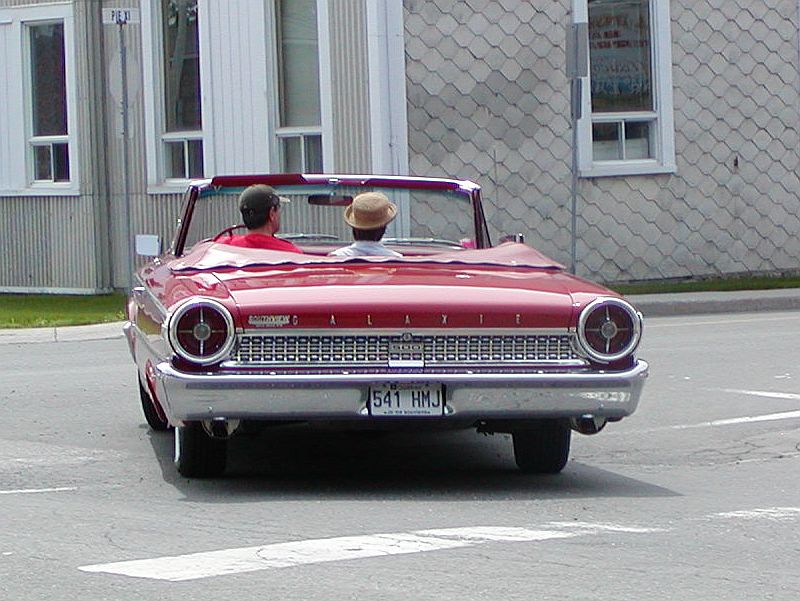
x: 368, y: 215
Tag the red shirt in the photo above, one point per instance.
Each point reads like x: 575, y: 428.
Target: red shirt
x: 262, y: 241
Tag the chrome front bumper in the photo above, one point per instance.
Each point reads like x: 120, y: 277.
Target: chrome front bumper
x: 188, y: 397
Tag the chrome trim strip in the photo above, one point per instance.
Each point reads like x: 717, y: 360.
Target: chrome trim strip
x: 344, y: 396
x: 368, y: 331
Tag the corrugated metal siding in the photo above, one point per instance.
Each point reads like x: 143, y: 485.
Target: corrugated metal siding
x: 52, y: 243
x: 90, y: 71
x: 145, y: 217
x: 157, y: 214
x: 349, y: 83
x: 48, y: 243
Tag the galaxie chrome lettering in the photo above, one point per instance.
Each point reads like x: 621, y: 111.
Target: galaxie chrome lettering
x: 408, y: 320
x: 333, y: 320
x: 369, y: 320
x: 444, y: 319
x: 271, y: 321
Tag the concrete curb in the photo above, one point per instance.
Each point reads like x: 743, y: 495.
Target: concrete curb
x: 651, y: 305
x: 98, y: 331
x: 694, y: 303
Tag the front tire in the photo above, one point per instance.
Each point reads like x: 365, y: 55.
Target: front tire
x: 198, y: 455
x: 542, y: 447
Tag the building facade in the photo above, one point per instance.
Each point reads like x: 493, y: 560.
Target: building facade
x: 687, y: 142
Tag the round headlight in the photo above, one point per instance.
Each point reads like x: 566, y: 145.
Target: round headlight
x: 609, y: 329
x: 202, y: 331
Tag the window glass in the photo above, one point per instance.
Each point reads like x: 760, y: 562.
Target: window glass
x: 60, y: 162
x: 195, y: 154
x: 638, y: 140
x: 42, y: 166
x: 299, y: 63
x: 48, y: 80
x: 606, y: 142
x: 620, y: 55
x: 181, y: 66
x: 292, y: 155
x: 313, y: 158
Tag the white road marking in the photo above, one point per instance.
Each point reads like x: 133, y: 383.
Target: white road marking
x: 735, y: 421
x: 29, y: 491
x: 283, y: 555
x: 765, y: 393
x: 772, y: 513
x: 741, y: 420
x: 606, y: 527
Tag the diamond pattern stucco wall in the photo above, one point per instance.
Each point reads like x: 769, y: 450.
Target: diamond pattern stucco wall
x: 488, y: 101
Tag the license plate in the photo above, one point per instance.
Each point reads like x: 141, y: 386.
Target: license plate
x: 397, y: 400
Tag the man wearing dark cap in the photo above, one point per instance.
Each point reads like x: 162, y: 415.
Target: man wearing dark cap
x: 368, y: 215
x: 260, y: 206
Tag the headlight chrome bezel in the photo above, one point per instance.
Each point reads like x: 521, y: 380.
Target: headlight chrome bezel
x: 200, y: 329
x: 612, y: 329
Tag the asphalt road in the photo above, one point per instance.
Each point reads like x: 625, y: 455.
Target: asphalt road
x: 697, y: 496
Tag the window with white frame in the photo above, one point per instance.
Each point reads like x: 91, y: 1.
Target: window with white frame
x: 300, y: 130
x: 628, y: 128
x: 182, y: 138
x: 48, y: 144
x: 38, y: 141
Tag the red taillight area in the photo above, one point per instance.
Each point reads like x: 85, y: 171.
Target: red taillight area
x: 609, y: 329
x: 202, y: 331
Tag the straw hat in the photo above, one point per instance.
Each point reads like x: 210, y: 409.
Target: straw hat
x: 369, y: 211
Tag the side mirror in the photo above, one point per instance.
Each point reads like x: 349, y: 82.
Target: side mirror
x: 148, y: 245
x: 518, y: 237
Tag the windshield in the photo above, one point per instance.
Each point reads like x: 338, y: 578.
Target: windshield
x: 313, y: 219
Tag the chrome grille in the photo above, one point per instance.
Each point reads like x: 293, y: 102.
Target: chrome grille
x: 380, y: 350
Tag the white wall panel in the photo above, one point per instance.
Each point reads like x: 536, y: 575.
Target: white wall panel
x: 236, y: 116
x: 9, y: 72
x: 350, y: 86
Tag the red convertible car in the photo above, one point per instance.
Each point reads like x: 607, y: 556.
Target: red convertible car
x: 449, y: 331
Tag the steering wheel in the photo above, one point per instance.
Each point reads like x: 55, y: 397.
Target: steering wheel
x: 228, y: 231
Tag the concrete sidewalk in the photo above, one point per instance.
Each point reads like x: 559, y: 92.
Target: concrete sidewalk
x: 651, y: 305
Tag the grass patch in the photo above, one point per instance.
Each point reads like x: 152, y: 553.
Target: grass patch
x: 48, y: 310
x: 709, y: 285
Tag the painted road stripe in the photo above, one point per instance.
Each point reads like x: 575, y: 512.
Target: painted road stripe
x: 283, y: 555
x: 28, y: 491
x: 765, y: 393
x: 735, y: 421
x: 773, y: 513
x: 742, y: 420
x: 606, y: 527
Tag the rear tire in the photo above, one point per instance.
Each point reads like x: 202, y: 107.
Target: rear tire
x: 197, y: 455
x: 542, y: 447
x: 151, y: 414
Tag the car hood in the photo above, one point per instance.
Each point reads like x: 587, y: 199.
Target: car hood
x: 516, y: 287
